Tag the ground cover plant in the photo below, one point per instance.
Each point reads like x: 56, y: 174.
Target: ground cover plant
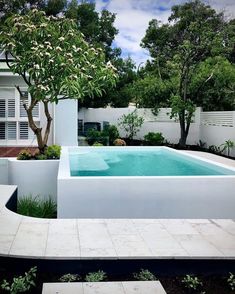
x: 36, y: 207
x: 22, y: 283
x: 98, y: 276
x: 51, y: 152
x: 211, y: 284
x: 144, y: 275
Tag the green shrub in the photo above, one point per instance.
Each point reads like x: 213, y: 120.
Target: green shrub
x: 22, y: 283
x: 214, y: 149
x: 40, y: 157
x: 154, y: 139
x: 94, y: 136
x: 112, y: 133
x: 144, y: 275
x: 231, y: 281
x: 33, y: 206
x: 95, y: 277
x: 67, y: 278
x: 97, y: 144
x: 191, y: 282
x: 131, y: 123
x: 228, y: 145
x: 53, y: 152
x: 24, y: 155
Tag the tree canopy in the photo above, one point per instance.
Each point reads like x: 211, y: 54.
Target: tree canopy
x: 55, y: 62
x: 195, y: 34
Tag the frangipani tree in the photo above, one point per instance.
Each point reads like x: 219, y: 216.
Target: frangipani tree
x: 55, y: 61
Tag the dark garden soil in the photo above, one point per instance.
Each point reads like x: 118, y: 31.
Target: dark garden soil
x: 172, y: 285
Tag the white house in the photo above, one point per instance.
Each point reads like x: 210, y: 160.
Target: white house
x: 14, y: 129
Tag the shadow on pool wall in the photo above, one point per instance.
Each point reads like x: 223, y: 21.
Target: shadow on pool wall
x: 143, y: 196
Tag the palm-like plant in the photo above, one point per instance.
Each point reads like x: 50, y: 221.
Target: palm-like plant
x: 228, y: 145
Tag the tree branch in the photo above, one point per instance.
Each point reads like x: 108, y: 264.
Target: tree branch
x: 7, y: 60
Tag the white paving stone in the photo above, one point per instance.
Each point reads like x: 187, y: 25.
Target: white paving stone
x: 121, y: 227
x: 30, y: 240
x: 95, y: 240
x: 135, y: 287
x: 9, y: 222
x: 62, y: 288
x: 197, y: 246
x: 227, y: 225
x: 103, y: 288
x: 153, y: 287
x: 113, y: 238
x: 129, y: 246
x: 5, y: 244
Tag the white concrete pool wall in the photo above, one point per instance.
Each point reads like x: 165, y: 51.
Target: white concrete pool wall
x: 143, y: 196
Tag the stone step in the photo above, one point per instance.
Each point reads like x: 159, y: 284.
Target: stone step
x: 135, y: 287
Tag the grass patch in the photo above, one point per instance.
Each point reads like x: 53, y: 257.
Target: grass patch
x: 35, y: 207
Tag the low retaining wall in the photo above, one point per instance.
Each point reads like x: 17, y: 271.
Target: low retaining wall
x: 34, y: 177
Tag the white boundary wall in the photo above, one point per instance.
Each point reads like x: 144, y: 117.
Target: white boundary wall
x: 160, y: 123
x: 212, y: 128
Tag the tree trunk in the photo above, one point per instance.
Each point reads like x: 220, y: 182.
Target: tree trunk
x: 49, y: 120
x: 41, y: 140
x: 183, y: 139
x: 184, y: 128
x: 37, y: 131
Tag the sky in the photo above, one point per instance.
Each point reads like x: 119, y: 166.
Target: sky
x: 133, y: 16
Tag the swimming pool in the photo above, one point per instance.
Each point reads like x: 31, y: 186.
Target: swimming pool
x: 86, y: 193
x: 140, y: 162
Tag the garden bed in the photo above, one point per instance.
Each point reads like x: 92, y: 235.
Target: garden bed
x: 212, y: 284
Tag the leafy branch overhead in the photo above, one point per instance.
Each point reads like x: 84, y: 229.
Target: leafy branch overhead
x: 55, y: 61
x: 53, y: 57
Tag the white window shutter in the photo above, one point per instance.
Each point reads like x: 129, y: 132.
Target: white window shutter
x: 2, y: 130
x: 11, y: 107
x: 23, y: 131
x: 2, y: 108
x: 11, y: 130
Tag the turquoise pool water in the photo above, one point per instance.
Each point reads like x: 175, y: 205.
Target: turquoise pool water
x: 147, y: 162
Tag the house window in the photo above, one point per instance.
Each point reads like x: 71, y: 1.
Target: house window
x: 11, y: 108
x: 23, y: 130
x: 8, y: 130
x: 11, y: 130
x: 2, y: 108
x: 13, y: 117
x: 2, y: 130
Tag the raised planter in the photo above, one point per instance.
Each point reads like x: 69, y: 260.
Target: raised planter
x: 34, y: 177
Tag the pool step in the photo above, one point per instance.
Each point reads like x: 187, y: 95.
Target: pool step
x: 135, y: 287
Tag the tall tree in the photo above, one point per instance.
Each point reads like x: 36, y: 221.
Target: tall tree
x: 51, y: 7
x: 193, y: 33
x: 55, y: 62
x: 99, y: 30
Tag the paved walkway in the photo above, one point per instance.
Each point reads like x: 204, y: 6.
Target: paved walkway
x: 22, y: 236
x: 153, y: 287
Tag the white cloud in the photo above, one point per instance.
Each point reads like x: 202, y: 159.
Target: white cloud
x: 133, y: 16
